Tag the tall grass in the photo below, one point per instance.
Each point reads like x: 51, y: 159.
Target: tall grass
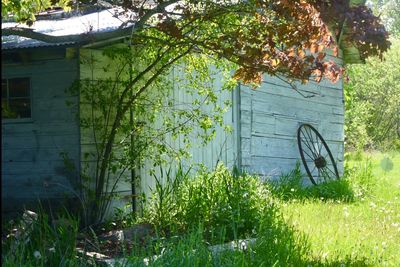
x: 351, y: 222
x: 278, y: 244
x: 227, y: 204
x: 35, y: 241
x: 290, y: 187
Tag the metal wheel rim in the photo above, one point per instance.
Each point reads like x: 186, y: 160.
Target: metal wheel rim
x: 312, y: 148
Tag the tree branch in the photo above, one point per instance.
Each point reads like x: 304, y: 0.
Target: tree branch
x: 88, y: 37
x: 82, y: 38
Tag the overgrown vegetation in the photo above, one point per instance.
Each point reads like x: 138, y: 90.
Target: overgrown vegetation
x: 317, y: 226
x: 162, y: 34
x: 290, y: 186
x: 38, y: 240
x: 227, y: 205
x: 372, y: 118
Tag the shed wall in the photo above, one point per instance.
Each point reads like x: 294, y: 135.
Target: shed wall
x: 32, y: 163
x: 222, y: 148
x: 95, y: 65
x: 270, y: 116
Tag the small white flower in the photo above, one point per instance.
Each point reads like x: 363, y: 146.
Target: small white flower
x: 292, y: 189
x: 52, y: 250
x: 37, y: 254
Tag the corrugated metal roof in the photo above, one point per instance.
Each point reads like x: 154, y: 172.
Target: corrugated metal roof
x: 102, y: 21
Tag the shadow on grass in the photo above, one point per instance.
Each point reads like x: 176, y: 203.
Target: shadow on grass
x: 277, y: 244
x: 290, y: 186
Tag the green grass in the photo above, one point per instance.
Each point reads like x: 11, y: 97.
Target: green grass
x: 363, y: 232
x: 351, y: 222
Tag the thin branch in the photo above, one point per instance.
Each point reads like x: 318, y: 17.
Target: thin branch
x: 85, y: 38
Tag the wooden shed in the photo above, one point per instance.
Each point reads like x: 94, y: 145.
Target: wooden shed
x: 43, y: 143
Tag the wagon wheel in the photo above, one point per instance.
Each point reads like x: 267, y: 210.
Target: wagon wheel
x: 316, y: 156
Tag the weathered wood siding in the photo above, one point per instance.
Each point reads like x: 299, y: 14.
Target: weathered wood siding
x: 270, y: 116
x: 222, y: 148
x: 94, y: 65
x: 32, y: 165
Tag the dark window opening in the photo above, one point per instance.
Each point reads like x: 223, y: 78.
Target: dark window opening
x: 15, y: 98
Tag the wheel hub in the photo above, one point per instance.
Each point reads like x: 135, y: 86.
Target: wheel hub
x: 320, y: 162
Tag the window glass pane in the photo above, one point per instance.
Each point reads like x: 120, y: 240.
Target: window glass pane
x: 18, y: 87
x: 20, y: 108
x: 3, y: 89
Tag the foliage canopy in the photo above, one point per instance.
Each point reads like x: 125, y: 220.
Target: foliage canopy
x: 260, y: 36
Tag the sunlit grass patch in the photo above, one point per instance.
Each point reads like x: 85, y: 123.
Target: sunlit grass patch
x: 367, y: 229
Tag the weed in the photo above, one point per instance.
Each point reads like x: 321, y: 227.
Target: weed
x: 290, y: 186
x: 227, y: 204
x: 36, y: 242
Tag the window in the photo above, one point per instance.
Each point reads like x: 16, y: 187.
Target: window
x: 15, y: 98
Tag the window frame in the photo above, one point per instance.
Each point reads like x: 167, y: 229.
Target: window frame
x: 19, y: 120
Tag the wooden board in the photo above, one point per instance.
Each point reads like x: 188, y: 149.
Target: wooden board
x: 32, y: 161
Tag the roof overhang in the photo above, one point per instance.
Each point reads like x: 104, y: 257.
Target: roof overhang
x: 102, y: 21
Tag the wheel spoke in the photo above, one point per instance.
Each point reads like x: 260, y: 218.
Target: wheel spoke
x: 313, y: 168
x: 312, y: 141
x: 325, y: 174
x: 308, y: 145
x: 332, y: 172
x: 308, y: 154
x: 320, y: 144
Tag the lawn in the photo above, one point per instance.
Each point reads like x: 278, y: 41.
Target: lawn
x: 365, y: 231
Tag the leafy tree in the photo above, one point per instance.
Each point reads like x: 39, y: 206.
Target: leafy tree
x: 26, y: 10
x: 372, y: 117
x: 260, y: 36
x: 389, y: 11
x: 256, y: 36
